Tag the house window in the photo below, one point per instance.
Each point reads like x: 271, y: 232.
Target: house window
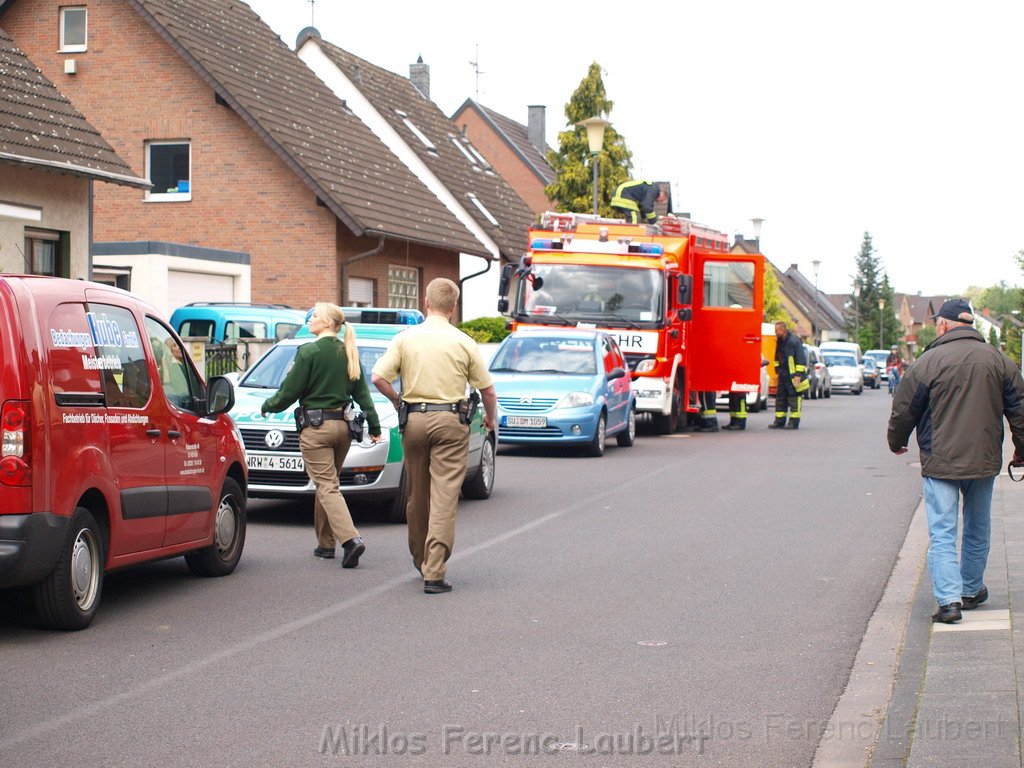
x: 46, y: 253
x: 360, y: 292
x: 483, y: 209
x: 169, y: 169
x: 403, y: 287
x: 416, y: 131
x: 73, y: 29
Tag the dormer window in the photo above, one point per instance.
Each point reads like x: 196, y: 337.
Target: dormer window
x: 483, y: 209
x: 73, y: 29
x: 416, y: 131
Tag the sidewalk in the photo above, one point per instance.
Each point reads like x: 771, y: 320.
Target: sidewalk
x: 957, y: 698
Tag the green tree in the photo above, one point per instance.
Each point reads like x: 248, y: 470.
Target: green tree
x: 1001, y: 299
x: 573, y: 186
x: 892, y: 330
x: 993, y: 337
x: 867, y: 288
x: 925, y: 336
x: 773, y: 309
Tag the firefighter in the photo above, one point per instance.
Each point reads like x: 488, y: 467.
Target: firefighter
x: 708, y: 412
x: 737, y: 411
x: 636, y: 199
x: 791, y: 369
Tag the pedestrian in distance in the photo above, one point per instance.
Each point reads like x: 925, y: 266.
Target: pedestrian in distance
x: 325, y: 379
x: 437, y: 363
x: 635, y: 200
x: 791, y: 370
x: 956, y: 396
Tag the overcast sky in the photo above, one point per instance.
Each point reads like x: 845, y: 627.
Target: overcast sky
x: 902, y: 119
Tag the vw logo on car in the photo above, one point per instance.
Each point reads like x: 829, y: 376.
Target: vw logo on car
x: 274, y: 438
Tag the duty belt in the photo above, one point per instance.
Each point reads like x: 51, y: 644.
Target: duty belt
x: 334, y: 415
x: 424, y: 407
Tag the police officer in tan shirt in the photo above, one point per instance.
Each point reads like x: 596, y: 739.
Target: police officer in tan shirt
x: 435, y: 361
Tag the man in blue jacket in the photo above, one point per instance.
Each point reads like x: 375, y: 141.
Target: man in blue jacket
x: 636, y: 200
x: 956, y: 395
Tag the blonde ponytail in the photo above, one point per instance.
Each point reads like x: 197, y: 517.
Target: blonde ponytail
x: 333, y: 315
x: 353, y: 352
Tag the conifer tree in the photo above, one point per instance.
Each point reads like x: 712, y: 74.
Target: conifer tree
x: 573, y: 185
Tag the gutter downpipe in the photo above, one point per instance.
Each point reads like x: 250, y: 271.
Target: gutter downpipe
x: 358, y: 257
x: 462, y: 280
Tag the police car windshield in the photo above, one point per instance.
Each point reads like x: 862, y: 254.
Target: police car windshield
x: 610, y: 296
x: 546, y: 355
x: 271, y: 369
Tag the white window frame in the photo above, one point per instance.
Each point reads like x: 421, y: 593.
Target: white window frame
x: 482, y: 208
x: 75, y: 47
x: 463, y: 150
x: 416, y: 131
x: 169, y: 197
x: 403, y: 286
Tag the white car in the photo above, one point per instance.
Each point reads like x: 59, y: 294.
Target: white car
x: 847, y: 375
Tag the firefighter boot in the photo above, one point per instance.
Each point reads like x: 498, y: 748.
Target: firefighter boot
x: 737, y: 424
x: 779, y: 423
x: 793, y: 424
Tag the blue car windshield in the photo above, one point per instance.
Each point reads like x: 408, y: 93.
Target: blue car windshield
x: 271, y: 369
x: 546, y: 355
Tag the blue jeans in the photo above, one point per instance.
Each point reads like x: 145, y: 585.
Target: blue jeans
x: 952, y: 580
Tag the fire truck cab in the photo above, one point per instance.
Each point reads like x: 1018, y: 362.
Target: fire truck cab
x: 685, y: 311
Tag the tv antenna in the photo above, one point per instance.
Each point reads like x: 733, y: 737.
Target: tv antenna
x: 476, y: 67
x: 312, y: 12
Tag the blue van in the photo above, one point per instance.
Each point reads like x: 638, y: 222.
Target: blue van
x: 222, y: 322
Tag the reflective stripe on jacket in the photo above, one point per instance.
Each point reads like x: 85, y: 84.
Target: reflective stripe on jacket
x: 637, y: 195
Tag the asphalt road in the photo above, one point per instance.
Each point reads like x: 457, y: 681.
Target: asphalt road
x: 711, y: 590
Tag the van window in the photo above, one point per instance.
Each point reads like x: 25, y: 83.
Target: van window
x: 180, y: 381
x: 197, y: 329
x: 245, y: 329
x: 286, y: 330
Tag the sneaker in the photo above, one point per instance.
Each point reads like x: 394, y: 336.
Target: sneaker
x: 970, y: 603
x: 948, y: 614
x: 327, y: 553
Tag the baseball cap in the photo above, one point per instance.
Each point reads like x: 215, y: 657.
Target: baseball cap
x: 955, y: 309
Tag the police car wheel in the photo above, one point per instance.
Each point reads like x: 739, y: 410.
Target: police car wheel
x: 394, y: 512
x: 482, y: 483
x: 627, y: 437
x: 221, y: 557
x: 69, y: 597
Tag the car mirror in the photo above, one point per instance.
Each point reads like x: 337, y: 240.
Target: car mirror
x: 220, y: 396
x: 616, y: 373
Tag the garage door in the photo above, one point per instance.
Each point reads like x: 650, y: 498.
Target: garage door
x: 186, y: 287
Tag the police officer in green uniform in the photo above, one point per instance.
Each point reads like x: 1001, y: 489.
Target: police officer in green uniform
x: 791, y: 369
x: 436, y: 362
x: 636, y: 199
x: 325, y: 378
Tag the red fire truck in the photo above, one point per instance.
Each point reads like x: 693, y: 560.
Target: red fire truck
x: 685, y: 311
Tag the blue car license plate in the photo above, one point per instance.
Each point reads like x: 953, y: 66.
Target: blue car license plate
x: 530, y: 422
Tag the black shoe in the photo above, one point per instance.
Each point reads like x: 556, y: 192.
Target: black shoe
x: 437, y: 586
x: 947, y: 614
x: 708, y: 429
x: 735, y: 426
x: 970, y: 603
x: 777, y: 425
x: 327, y: 553
x: 792, y: 425
x: 353, y: 549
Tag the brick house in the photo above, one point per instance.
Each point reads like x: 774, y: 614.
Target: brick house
x: 265, y: 185
x: 517, y: 152
x: 398, y: 110
x: 49, y: 158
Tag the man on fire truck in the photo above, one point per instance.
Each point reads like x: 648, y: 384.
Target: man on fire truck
x: 635, y: 200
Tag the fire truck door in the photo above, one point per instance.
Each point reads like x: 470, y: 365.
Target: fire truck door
x: 724, y: 338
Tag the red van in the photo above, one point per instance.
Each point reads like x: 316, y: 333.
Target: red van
x: 114, y: 450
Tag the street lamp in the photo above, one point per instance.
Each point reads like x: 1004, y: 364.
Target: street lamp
x: 856, y: 310
x: 595, y: 140
x: 881, y: 341
x: 816, y: 264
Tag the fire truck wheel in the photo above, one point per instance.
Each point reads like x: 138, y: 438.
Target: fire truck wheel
x: 627, y: 437
x: 666, y: 425
x: 597, y: 445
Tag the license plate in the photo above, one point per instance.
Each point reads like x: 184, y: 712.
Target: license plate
x: 530, y: 422
x: 277, y: 463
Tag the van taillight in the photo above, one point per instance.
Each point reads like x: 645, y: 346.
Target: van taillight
x: 14, y: 447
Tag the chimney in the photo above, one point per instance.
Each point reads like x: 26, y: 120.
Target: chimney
x: 419, y: 74
x: 535, y: 128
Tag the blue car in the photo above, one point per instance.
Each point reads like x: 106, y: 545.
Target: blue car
x: 563, y: 386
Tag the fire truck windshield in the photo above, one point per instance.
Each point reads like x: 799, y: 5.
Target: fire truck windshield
x: 608, y: 296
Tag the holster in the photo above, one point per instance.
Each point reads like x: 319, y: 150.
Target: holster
x: 403, y: 415
x: 357, y: 426
x: 468, y: 407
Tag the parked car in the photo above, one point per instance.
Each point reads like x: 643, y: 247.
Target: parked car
x: 846, y: 374
x: 563, y: 386
x: 221, y: 322
x: 373, y: 472
x: 114, y: 453
x: 818, y: 373
x: 879, y: 357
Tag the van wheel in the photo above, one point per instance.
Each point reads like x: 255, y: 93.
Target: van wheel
x: 69, y: 596
x: 627, y: 437
x: 598, y: 444
x: 394, y: 512
x: 482, y: 483
x: 221, y: 557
